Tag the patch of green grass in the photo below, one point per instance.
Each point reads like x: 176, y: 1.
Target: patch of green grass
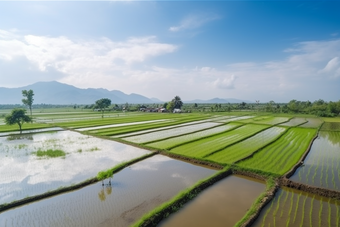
x: 93, y: 149
x: 79, y: 150
x: 50, y: 153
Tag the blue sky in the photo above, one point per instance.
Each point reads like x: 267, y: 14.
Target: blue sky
x: 251, y: 50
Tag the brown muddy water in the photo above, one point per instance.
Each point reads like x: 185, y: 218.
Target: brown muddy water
x: 322, y: 165
x: 223, y: 204
x: 133, y: 192
x: 291, y: 207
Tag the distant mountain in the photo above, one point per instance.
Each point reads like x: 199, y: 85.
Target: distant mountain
x: 156, y: 100
x: 218, y: 100
x: 58, y: 93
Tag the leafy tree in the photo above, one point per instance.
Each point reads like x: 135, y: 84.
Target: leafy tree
x: 28, y: 101
x: 102, y: 104
x: 17, y: 116
x: 195, y: 105
x: 165, y: 105
x: 177, y: 102
x: 170, y: 106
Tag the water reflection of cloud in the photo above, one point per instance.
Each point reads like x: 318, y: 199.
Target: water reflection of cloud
x: 152, y: 163
x: 187, y: 181
x: 20, y: 167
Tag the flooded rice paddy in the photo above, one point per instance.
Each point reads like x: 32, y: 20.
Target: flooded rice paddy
x: 322, y: 165
x: 294, y: 122
x: 31, y: 131
x: 133, y: 192
x: 159, y: 135
x: 171, y: 142
x: 159, y: 129
x: 120, y: 125
x: 222, y: 204
x: 312, y: 123
x: 24, y: 174
x: 291, y: 207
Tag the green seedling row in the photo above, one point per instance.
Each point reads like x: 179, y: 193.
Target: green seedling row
x: 209, y: 145
x: 129, y: 119
x: 173, y: 142
x: 282, y: 155
x: 301, y: 209
x: 138, y: 128
x: 169, y: 133
x: 246, y: 147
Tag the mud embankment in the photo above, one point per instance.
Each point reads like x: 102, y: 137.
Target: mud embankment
x: 249, y: 174
x: 311, y: 189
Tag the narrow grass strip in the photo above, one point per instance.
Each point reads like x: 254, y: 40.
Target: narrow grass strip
x: 155, y: 216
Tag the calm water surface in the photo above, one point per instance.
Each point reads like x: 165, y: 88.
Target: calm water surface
x: 133, y: 192
x: 222, y: 204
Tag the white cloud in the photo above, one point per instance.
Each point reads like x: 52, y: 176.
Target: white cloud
x: 81, y: 60
x: 225, y: 83
x: 116, y: 65
x: 193, y: 21
x: 332, y: 67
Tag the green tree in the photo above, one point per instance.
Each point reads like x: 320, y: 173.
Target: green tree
x: 102, y: 104
x: 177, y: 102
x: 17, y: 116
x: 28, y: 101
x: 170, y: 106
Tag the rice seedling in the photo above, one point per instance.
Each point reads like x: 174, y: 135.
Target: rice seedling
x: 296, y: 207
x: 285, y: 200
x: 50, y: 153
x: 277, y: 205
x: 268, y: 210
x: 290, y: 207
x: 303, y: 211
x: 320, y: 212
x: 329, y: 212
x: 311, y: 211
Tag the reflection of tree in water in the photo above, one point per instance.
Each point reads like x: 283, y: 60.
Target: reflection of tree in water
x: 102, y: 195
x: 20, y: 137
x: 331, y: 126
x: 334, y: 137
x: 108, y: 189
